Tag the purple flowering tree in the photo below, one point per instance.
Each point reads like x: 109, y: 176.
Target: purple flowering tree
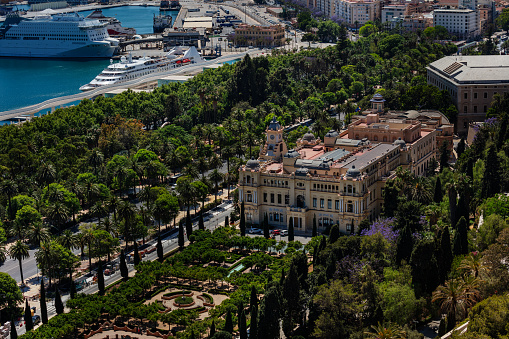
x: 385, y: 227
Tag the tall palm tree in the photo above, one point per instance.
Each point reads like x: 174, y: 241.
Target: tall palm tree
x: 216, y: 177
x: 386, y: 331
x: 127, y: 211
x: 68, y: 239
x: 96, y: 159
x: 47, y: 173
x: 88, y: 236
x: 45, y: 258
x: 38, y: 233
x: 472, y: 264
x: 19, y: 251
x: 456, y: 296
x: 59, y: 213
x: 3, y: 253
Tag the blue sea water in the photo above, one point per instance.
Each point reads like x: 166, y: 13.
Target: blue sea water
x: 25, y: 82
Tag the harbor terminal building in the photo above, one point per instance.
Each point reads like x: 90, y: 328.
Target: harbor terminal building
x: 338, y: 180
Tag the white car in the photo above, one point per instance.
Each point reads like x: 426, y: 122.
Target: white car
x: 284, y: 232
x: 255, y: 231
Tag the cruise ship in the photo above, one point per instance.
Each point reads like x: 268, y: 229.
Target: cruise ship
x: 128, y: 69
x: 55, y: 36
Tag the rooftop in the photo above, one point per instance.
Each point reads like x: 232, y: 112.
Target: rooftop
x: 473, y: 68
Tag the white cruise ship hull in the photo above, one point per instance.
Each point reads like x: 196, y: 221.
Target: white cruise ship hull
x: 57, y: 49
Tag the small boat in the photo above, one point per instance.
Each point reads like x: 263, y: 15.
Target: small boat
x: 164, y: 5
x: 113, y: 25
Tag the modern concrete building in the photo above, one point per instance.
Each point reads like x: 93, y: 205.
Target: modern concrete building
x: 357, y: 12
x: 471, y: 81
x: 392, y: 11
x: 463, y: 23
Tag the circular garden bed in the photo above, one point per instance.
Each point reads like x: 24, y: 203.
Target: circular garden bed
x: 183, y: 301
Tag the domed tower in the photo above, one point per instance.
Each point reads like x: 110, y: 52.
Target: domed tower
x: 377, y: 103
x: 275, y: 146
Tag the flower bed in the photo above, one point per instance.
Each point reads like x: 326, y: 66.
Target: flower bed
x: 176, y: 294
x: 182, y: 301
x: 207, y: 299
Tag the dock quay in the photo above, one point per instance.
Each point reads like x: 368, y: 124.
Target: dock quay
x: 147, y: 81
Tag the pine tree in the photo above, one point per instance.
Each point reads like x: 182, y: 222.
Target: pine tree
x: 444, y: 156
x: 228, y: 322
x: 28, y: 317
x: 253, y: 300
x: 137, y: 258
x: 43, y: 306
x: 201, y: 223
x: 124, y: 272
x: 438, y: 191
x: 189, y: 224
x: 160, y: 254
x: 334, y: 234
x: 14, y: 334
x: 291, y: 236
x: 315, y: 229
x: 242, y: 223
x: 181, y: 235
x: 212, y: 329
x: 59, y: 305
x: 226, y: 221
x: 242, y: 325
x: 100, y: 278
x: 73, y: 290
x: 491, y: 179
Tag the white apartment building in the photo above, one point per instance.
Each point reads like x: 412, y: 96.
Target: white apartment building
x: 325, y: 6
x: 357, y: 12
x: 392, y: 11
x: 463, y: 23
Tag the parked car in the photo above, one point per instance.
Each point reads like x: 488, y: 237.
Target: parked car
x: 284, y: 232
x: 276, y: 232
x: 36, y: 319
x: 255, y: 231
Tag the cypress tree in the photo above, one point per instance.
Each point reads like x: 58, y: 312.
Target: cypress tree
x: 59, y: 305
x: 291, y: 299
x: 265, y: 228
x: 242, y: 325
x: 160, y: 254
x: 438, y: 196
x: 73, y: 289
x: 43, y: 306
x: 453, y: 216
x: 502, y: 130
x: 323, y: 244
x: 14, y: 334
x: 100, y: 278
x: 282, y: 279
x: 445, y: 255
x: 189, y: 224
x: 253, y: 332
x: 28, y: 317
x: 253, y: 300
x: 291, y: 236
x: 442, y: 327
x: 228, y: 322
x: 491, y: 179
x: 137, y: 259
x: 226, y: 221
x: 269, y: 315
x: 124, y: 272
x: 315, y: 229
x: 444, y: 156
x: 404, y: 245
x: 201, y: 223
x: 460, y: 149
x: 334, y: 234
x: 181, y: 235
x: 461, y: 238
x: 315, y: 255
x: 212, y: 329
x: 242, y: 223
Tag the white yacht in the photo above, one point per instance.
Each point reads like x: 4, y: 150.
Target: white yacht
x: 113, y: 25
x: 129, y: 69
x: 55, y: 36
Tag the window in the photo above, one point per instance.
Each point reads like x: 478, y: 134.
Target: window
x: 264, y: 197
x: 287, y: 199
x: 322, y: 203
x: 485, y: 95
x: 337, y: 204
x: 270, y: 216
x: 465, y: 109
x: 485, y: 109
x: 329, y: 204
x: 272, y: 198
x: 465, y: 95
x: 475, y: 109
x: 349, y: 188
x: 279, y: 199
x: 475, y: 95
x: 348, y: 228
x: 276, y: 216
x: 249, y: 197
x: 314, y: 202
x: 349, y: 207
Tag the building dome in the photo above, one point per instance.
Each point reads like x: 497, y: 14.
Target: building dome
x: 353, y: 172
x: 252, y: 164
x: 292, y: 154
x: 301, y: 171
x: 274, y: 125
x: 377, y: 98
x: 309, y: 137
x: 331, y: 134
x: 400, y: 142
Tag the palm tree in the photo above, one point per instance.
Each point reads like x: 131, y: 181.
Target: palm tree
x: 456, y: 296
x: 386, y: 331
x: 3, y: 253
x: 88, y: 236
x: 47, y: 173
x: 68, y: 240
x: 59, y: 213
x: 98, y: 210
x: 96, y: 159
x: 420, y: 190
x: 10, y: 189
x: 216, y: 177
x: 45, y: 258
x: 472, y: 264
x: 127, y: 211
x: 19, y: 251
x: 38, y: 233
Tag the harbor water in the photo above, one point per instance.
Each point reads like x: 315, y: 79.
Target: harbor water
x: 25, y: 82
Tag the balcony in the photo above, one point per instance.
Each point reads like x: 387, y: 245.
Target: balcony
x: 298, y: 209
